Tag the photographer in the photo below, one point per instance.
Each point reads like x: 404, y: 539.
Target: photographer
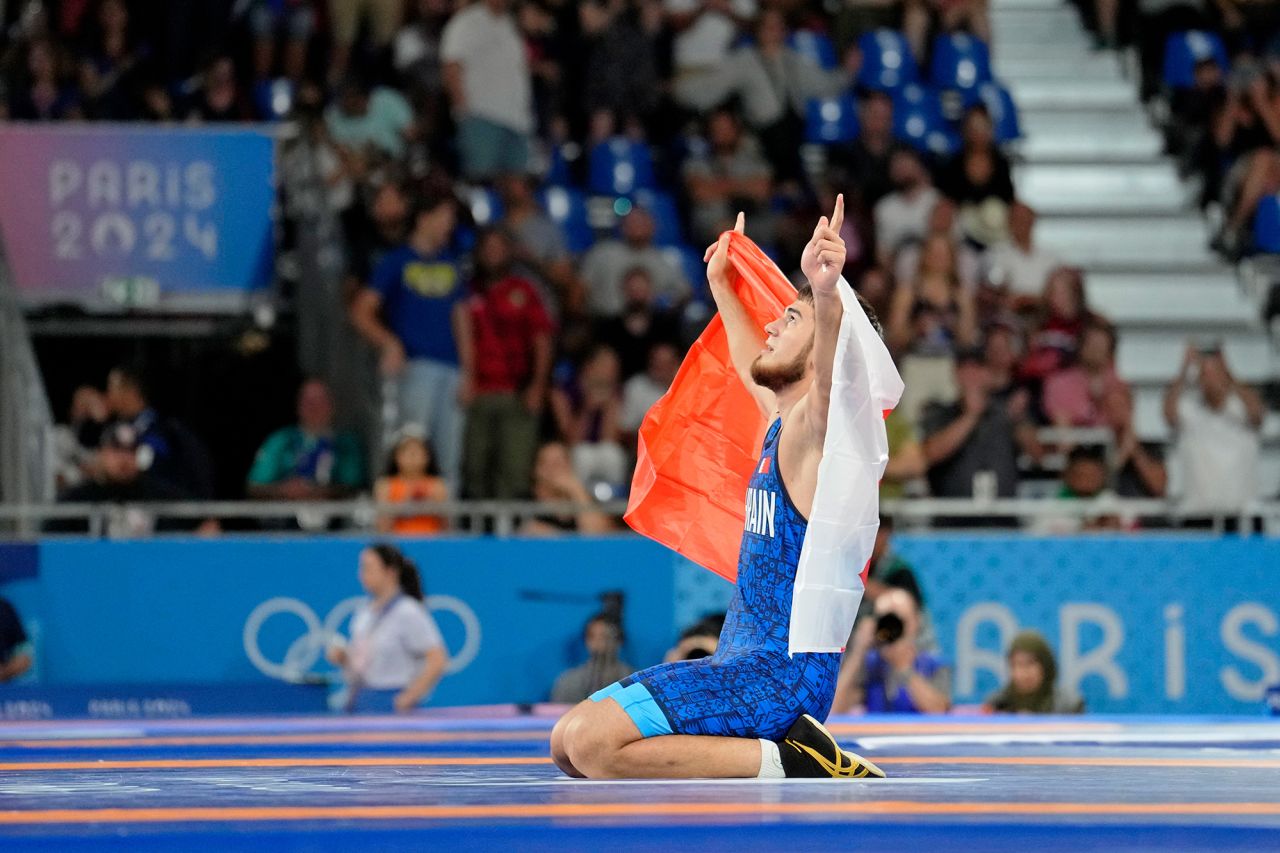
x: 602, y: 635
x: 886, y: 670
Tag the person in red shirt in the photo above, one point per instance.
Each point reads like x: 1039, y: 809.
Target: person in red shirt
x: 510, y: 352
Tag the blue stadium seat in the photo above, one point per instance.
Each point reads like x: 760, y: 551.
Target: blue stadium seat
x: 1000, y: 105
x: 815, y: 46
x: 273, y: 99
x: 887, y: 61
x: 485, y: 205
x: 620, y: 166
x: 831, y: 120
x: 960, y: 61
x: 568, y: 209
x: 1266, y: 226
x: 918, y: 121
x: 1183, y: 50
x: 666, y: 215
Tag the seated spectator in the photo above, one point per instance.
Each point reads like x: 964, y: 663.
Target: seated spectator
x: 167, y: 450
x: 1084, y: 478
x: 644, y: 389
x: 700, y: 640
x: 15, y: 649
x: 588, y: 413
x: 218, y: 99
x: 942, y: 222
x: 120, y: 477
x: 296, y: 19
x: 1137, y: 466
x: 906, y: 457
x: 411, y: 477
x: 109, y: 70
x: 371, y: 123
x: 539, y: 245
x: 1001, y: 352
x: 510, y: 333
x: 863, y: 166
x: 621, y: 74
x: 555, y: 482
x: 416, y: 52
x: 902, y: 216
x: 897, y: 676
x: 603, y: 639
x: 1016, y: 266
x: 606, y: 265
x: 410, y: 313
x: 312, y: 460
x: 976, y: 437
x: 486, y: 74
x: 1246, y: 134
x: 1032, y: 686
x: 43, y: 91
x: 704, y: 32
x: 731, y: 175
x: 640, y: 326
x: 1073, y: 397
x: 979, y: 181
x: 77, y: 442
x: 931, y: 318
x: 1217, y: 425
x: 1060, y: 321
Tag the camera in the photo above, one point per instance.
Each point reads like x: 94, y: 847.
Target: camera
x: 889, y: 629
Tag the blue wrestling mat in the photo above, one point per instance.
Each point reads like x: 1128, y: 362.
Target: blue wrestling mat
x: 480, y: 780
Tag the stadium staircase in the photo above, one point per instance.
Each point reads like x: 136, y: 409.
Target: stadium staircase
x: 1110, y: 202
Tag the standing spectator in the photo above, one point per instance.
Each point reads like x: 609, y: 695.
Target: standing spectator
x: 396, y: 655
x: 979, y: 181
x: 267, y: 19
x: 942, y: 223
x: 1017, y: 266
x: 606, y: 266
x: 644, y: 389
x: 218, y: 98
x: 166, y: 449
x: 903, y: 215
x: 510, y: 332
x: 1217, y: 425
x: 588, y: 414
x: 1074, y: 397
x: 622, y: 69
x: 78, y: 440
x: 345, y: 17
x: 555, y: 482
x: 731, y: 175
x: 897, y: 675
x: 641, y: 325
x: 309, y: 461
x: 15, y: 650
x: 1138, y: 466
x: 704, y: 33
x: 976, y: 436
x: 538, y: 242
x: 486, y: 74
x: 1061, y: 318
x: 603, y: 639
x: 369, y: 122
x: 108, y: 73
x: 412, y: 313
x: 411, y: 477
x: 43, y: 92
x: 1032, y: 687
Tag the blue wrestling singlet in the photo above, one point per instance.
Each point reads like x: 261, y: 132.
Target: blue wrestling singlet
x: 751, y: 687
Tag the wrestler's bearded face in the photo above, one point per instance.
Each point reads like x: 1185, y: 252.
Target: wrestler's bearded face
x: 784, y: 361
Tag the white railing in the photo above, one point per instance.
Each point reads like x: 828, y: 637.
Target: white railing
x: 27, y: 438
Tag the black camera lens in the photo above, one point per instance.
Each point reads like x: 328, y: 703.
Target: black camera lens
x: 888, y: 629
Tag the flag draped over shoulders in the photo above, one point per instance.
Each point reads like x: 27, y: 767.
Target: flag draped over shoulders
x: 699, y: 445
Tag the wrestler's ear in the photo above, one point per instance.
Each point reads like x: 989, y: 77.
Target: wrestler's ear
x: 741, y: 225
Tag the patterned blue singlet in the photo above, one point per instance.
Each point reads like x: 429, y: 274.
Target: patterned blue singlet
x: 750, y: 687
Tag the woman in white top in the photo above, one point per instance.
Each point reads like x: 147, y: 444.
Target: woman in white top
x: 396, y: 655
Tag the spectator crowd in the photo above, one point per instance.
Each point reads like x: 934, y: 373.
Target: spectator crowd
x: 522, y: 188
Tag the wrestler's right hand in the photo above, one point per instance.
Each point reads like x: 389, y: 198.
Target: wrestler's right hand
x: 717, y: 255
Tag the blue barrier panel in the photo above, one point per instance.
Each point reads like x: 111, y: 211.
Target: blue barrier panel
x: 1145, y: 625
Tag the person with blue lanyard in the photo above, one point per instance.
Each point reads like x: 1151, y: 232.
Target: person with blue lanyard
x: 396, y: 656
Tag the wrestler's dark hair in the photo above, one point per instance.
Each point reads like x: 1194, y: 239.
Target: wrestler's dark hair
x: 805, y: 294
x: 406, y: 570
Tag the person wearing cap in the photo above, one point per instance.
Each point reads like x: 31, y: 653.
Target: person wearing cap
x: 309, y: 461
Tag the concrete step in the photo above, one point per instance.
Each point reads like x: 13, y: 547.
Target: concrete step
x: 1185, y: 304
x: 1071, y: 94
x: 1130, y: 243
x: 1154, y: 355
x: 1099, y: 138
x: 1152, y: 188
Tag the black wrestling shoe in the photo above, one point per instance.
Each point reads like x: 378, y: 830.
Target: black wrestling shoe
x: 810, y: 752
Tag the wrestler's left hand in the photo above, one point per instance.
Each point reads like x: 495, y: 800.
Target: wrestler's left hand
x: 824, y: 257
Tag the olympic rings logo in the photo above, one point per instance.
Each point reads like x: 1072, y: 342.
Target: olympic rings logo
x: 306, y: 651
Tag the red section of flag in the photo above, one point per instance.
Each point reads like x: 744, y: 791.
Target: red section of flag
x: 699, y: 443
x: 764, y: 465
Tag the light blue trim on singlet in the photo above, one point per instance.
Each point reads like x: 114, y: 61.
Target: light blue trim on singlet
x: 640, y: 706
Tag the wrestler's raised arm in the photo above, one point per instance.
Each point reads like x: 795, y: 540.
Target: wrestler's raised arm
x: 821, y: 263
x: 746, y: 339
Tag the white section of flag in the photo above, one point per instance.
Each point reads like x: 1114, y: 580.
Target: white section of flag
x: 846, y: 506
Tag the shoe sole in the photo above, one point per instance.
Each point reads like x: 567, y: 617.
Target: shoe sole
x: 872, y: 769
